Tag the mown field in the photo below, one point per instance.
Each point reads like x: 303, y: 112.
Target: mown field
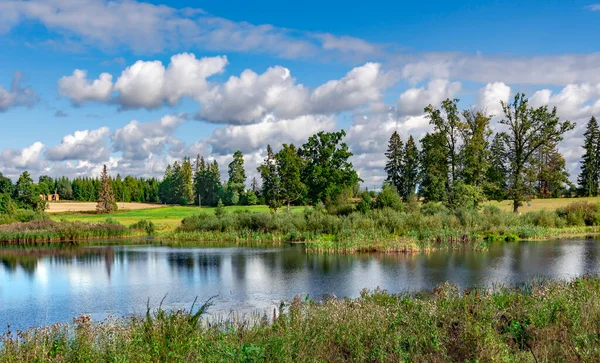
x: 165, y: 217
x: 539, y: 204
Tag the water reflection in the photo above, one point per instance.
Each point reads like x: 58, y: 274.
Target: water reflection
x: 45, y: 285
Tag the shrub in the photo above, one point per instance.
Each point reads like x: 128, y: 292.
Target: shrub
x: 389, y: 198
x: 144, y: 225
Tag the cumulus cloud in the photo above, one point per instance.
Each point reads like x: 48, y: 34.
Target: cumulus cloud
x: 139, y: 141
x: 13, y: 161
x: 491, y: 95
x: 82, y: 145
x: 80, y: 90
x: 16, y: 95
x: 251, y: 97
x: 145, y: 84
x: 412, y: 101
x: 249, y: 138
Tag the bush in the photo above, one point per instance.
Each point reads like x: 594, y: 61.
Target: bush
x: 432, y: 208
x: 28, y: 215
x: 144, y: 225
x: 389, y: 198
x: 580, y: 214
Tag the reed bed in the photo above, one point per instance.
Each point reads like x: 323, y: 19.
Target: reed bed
x: 557, y: 321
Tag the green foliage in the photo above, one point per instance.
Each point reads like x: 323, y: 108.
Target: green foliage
x: 389, y: 198
x: 271, y: 183
x: 144, y: 225
x: 327, y: 169
x: 528, y: 130
x: 7, y: 205
x: 394, y: 167
x: 589, y: 178
x: 27, y: 195
x: 106, y: 198
x: 236, y: 172
x: 434, y: 168
x: 220, y: 210
x: 365, y: 204
x: 289, y: 166
x: 546, y: 322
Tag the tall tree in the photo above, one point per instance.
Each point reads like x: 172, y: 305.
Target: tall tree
x: 289, y: 166
x: 394, y: 166
x: 6, y: 185
x: 271, y: 186
x: 474, y: 154
x: 410, y: 171
x: 327, y: 169
x: 106, y: 199
x: 236, y: 172
x: 495, y: 185
x: 528, y: 129
x: 434, y: 168
x: 589, y: 178
x: 552, y: 177
x: 448, y: 124
x: 27, y: 194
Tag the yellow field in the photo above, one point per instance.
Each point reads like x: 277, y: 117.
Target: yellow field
x: 539, y: 204
x: 59, y: 207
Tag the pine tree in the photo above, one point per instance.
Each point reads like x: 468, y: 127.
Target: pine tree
x: 589, y: 178
x: 410, y: 171
x: 550, y: 170
x: 106, y: 198
x: 395, y: 164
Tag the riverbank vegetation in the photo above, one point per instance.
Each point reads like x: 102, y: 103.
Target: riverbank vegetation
x: 534, y: 322
x: 397, y: 227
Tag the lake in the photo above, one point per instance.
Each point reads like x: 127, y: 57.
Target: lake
x: 40, y: 286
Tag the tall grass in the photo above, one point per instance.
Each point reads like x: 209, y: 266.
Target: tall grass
x: 46, y: 231
x: 535, y: 322
x: 390, y: 230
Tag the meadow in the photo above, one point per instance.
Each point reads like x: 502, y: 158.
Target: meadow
x: 550, y: 321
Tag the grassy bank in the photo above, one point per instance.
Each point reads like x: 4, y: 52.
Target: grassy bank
x: 553, y: 321
x: 47, y: 231
x: 387, y: 230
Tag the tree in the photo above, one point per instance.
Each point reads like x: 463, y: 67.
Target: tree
x: 410, y: 171
x: 6, y: 185
x: 236, y: 172
x: 106, y: 199
x: 434, y: 168
x: 552, y: 175
x: 474, y: 154
x: 27, y: 195
x: 496, y: 181
x: 289, y: 167
x: 589, y: 178
x: 528, y: 129
x: 448, y: 125
x: 271, y: 184
x: 327, y: 170
x: 394, y: 166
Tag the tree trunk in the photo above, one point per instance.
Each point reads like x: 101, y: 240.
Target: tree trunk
x: 515, y: 206
x: 288, y: 206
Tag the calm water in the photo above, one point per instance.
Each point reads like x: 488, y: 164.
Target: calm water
x: 43, y: 286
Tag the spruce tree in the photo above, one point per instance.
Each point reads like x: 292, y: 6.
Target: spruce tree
x: 106, y: 198
x: 395, y: 164
x: 434, y: 168
x: 589, y: 178
x: 496, y: 181
x: 410, y: 170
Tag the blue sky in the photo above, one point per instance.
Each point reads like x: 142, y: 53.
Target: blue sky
x: 307, y: 66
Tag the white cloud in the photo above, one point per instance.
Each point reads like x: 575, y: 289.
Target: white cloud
x: 82, y: 145
x: 80, y: 90
x: 249, y: 138
x: 491, y: 95
x: 145, y: 27
x: 414, y: 100
x: 139, y: 141
x: 13, y: 161
x: 593, y: 7
x: 16, y: 95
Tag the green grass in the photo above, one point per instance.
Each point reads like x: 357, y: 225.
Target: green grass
x: 533, y: 322
x: 165, y: 218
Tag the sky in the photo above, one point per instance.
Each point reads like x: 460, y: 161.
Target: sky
x: 138, y: 85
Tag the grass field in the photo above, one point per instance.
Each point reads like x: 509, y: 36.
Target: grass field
x: 165, y: 217
x: 538, y: 204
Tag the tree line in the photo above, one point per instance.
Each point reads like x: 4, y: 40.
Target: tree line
x: 460, y: 163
